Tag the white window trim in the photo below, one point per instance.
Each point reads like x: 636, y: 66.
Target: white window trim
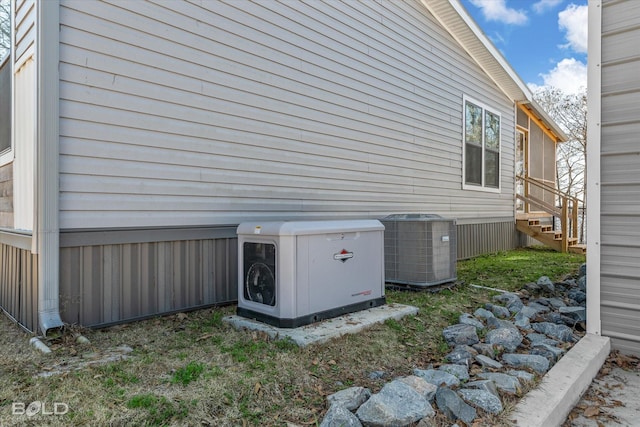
x: 482, y: 187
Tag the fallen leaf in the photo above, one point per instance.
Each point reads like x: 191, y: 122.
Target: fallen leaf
x: 181, y: 316
x: 591, y: 411
x: 204, y: 337
x: 331, y: 362
x: 257, y: 388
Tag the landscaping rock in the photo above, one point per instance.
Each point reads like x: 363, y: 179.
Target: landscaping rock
x: 561, y: 332
x: 509, y: 338
x: 579, y: 314
x: 461, y: 355
x: 582, y: 283
x: 495, y: 323
x: 536, y: 338
x: 453, y: 406
x: 460, y: 334
x: 539, y: 308
x: 488, y: 362
x: 582, y: 271
x: 397, y: 404
x: 503, y: 382
x: 535, y: 362
x: 339, y: 416
x: 437, y: 377
x: 577, y: 295
x: 350, y: 398
x: 424, y: 388
x: 522, y: 375
x: 376, y: 375
x: 459, y: 371
x: 522, y: 321
x: 545, y: 284
x: 467, y: 319
x: 557, y: 302
x: 486, y: 385
x: 498, y: 310
x: 482, y: 399
x: 485, y: 349
x: 550, y: 352
x: 483, y: 314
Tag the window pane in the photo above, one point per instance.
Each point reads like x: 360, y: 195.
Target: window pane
x: 491, y: 169
x: 473, y: 164
x: 473, y: 123
x: 492, y: 131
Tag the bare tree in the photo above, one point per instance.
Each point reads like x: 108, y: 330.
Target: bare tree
x: 5, y: 28
x: 570, y: 112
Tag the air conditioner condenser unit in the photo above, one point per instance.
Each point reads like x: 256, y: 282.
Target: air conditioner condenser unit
x: 294, y: 273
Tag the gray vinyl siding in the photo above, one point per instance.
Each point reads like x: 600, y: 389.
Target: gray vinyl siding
x: 181, y: 113
x: 620, y: 175
x: 107, y: 284
x: 25, y: 28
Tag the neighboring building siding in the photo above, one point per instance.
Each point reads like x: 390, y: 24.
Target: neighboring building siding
x: 105, y: 284
x: 19, y: 284
x: 25, y: 28
x: 6, y: 196
x: 216, y: 113
x: 620, y: 175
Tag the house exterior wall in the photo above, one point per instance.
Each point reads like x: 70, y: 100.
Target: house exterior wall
x: 620, y: 175
x: 6, y: 196
x: 19, y: 280
x: 217, y: 113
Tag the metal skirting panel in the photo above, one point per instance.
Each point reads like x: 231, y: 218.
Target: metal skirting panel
x: 482, y: 238
x: 106, y: 284
x: 19, y: 285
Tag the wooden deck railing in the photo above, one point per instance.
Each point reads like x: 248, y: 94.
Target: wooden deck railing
x: 567, y: 211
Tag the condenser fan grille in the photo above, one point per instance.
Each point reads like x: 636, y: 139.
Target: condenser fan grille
x: 260, y: 273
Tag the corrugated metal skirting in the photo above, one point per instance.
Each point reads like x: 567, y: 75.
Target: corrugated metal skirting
x: 19, y: 285
x: 106, y: 284
x: 479, y: 239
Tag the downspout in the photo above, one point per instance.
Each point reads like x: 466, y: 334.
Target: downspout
x: 46, y: 227
x: 594, y: 132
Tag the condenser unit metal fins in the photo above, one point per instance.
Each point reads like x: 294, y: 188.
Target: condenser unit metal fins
x: 420, y: 249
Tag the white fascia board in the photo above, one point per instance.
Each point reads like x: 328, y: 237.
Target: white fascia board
x: 594, y: 117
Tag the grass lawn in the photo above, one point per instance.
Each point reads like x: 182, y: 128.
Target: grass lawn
x: 194, y: 369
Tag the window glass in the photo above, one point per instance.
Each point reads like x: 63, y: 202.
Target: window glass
x: 481, y: 146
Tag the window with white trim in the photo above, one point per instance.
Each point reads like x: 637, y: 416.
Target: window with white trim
x: 481, y: 154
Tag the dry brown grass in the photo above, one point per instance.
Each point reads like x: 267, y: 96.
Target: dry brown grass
x: 194, y: 369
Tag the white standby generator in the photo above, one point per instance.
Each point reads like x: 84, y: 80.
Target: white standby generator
x: 294, y: 273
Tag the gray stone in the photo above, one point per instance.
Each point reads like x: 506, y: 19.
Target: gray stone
x: 557, y: 302
x: 485, y: 349
x: 453, y: 406
x: 467, y: 319
x: 507, y: 298
x: 422, y: 386
x: 482, y: 399
x: 535, y: 362
x: 529, y: 312
x: 488, y: 362
x: 351, y: 398
x: 483, y: 314
x: 550, y: 352
x: 397, y: 404
x: 460, y: 334
x: 532, y: 288
x: 577, y: 295
x: 515, y: 306
x: 522, y: 321
x: 541, y: 339
x: 486, y: 385
x: 376, y: 375
x: 498, y: 310
x: 561, y: 332
x: 508, y: 338
x: 503, y: 382
x: 339, y: 416
x: 437, y: 377
x: 522, y: 375
x: 578, y: 314
x: 582, y: 271
x: 459, y: 371
x: 539, y: 308
x: 546, y: 284
x: 582, y: 283
x: 461, y: 355
x: 495, y: 323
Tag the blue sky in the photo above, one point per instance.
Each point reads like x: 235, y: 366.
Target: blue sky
x: 545, y: 41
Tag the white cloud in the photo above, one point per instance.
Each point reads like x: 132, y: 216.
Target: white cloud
x: 497, y: 10
x: 542, y: 6
x: 569, y: 75
x: 573, y: 20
